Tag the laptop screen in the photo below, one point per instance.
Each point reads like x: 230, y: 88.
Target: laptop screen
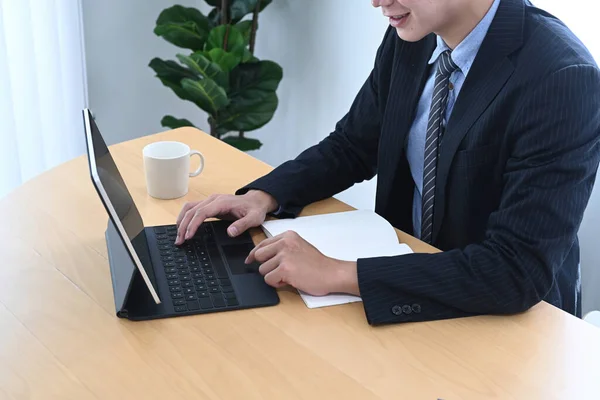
x: 118, y: 196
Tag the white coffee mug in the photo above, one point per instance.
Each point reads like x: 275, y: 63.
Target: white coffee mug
x: 167, y: 167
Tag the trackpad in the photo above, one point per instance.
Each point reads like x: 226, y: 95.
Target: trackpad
x: 236, y: 255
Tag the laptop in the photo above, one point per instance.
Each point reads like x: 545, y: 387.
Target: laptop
x: 152, y: 278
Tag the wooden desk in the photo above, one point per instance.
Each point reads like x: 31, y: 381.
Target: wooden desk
x: 60, y: 339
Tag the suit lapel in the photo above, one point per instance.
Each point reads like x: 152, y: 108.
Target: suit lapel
x: 490, y: 72
x: 409, y: 76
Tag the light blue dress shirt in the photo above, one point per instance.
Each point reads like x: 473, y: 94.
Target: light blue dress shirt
x: 463, y: 56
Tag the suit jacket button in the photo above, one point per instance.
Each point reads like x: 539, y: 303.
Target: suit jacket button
x: 416, y: 308
x: 406, y: 309
x: 397, y: 310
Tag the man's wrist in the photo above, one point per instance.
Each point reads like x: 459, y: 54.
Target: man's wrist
x: 345, y: 277
x: 269, y: 202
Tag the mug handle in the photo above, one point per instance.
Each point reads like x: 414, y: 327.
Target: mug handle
x: 201, y: 167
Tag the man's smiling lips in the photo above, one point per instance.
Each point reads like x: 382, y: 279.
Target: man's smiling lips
x: 398, y: 20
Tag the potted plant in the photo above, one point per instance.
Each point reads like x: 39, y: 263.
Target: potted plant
x: 221, y: 75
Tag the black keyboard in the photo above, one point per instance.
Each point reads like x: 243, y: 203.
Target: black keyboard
x: 195, y: 272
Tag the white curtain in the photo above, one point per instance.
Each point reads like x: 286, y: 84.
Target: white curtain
x: 42, y: 87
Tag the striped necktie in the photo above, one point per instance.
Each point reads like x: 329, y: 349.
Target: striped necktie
x: 434, y: 133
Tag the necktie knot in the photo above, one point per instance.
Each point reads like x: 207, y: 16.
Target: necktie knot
x: 446, y: 66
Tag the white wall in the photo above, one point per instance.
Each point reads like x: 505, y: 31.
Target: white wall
x: 326, y: 49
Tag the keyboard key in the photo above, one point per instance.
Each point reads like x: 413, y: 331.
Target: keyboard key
x: 179, y: 302
x: 166, y: 253
x: 193, y: 305
x: 202, y: 294
x: 210, y: 277
x: 226, y: 289
x: 201, y: 287
x: 180, y: 260
x: 186, y: 284
x: 170, y: 270
x: 183, y: 267
x: 232, y: 302
x: 164, y: 247
x: 160, y: 229
x: 167, y: 258
x: 185, y: 278
x: 183, y: 271
x: 193, y: 262
x: 195, y: 269
x: 163, y: 241
x: 205, y: 303
x: 172, y: 276
x: 225, y: 282
x: 162, y: 237
x: 174, y: 282
x: 190, y: 297
x: 171, y: 228
x: 180, y: 308
x: 214, y: 290
x: 213, y: 283
x: 206, y: 265
x: 209, y: 271
x: 229, y: 295
x: 198, y: 282
x: 192, y: 257
x: 177, y: 295
x: 201, y: 253
x: 197, y: 275
x: 189, y: 291
x: 169, y: 264
x: 218, y: 300
x: 174, y: 289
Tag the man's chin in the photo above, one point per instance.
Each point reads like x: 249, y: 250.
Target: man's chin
x: 409, y: 35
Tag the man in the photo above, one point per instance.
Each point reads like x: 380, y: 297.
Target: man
x: 482, y: 120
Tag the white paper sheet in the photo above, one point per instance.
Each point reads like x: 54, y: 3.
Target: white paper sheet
x: 346, y: 236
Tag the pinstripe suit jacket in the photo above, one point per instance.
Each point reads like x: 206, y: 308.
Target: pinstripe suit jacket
x: 516, y: 168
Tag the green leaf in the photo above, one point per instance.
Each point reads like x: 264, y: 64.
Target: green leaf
x: 183, y: 27
x: 262, y: 76
x: 245, y: 28
x: 216, y: 39
x: 174, y: 123
x: 243, y: 143
x: 227, y: 61
x: 206, y: 94
x: 171, y: 74
x: 247, y: 114
x: 198, y: 63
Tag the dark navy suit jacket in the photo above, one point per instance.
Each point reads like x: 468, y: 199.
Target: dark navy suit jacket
x: 515, y: 172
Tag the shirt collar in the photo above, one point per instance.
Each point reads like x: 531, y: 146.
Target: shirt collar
x: 465, y: 53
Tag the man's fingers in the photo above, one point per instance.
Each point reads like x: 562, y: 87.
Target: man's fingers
x: 269, y: 266
x: 266, y: 253
x: 275, y: 278
x: 251, y: 257
x: 186, y: 215
x: 186, y: 207
x: 243, y: 224
x: 213, y: 209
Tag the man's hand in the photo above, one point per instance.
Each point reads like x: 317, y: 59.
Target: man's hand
x: 289, y: 259
x: 248, y: 210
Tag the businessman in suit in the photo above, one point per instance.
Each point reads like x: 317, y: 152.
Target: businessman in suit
x: 482, y: 120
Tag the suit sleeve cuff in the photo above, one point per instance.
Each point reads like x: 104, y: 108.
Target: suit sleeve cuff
x: 383, y: 304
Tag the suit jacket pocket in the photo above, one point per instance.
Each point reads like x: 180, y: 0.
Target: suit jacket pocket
x: 475, y: 157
